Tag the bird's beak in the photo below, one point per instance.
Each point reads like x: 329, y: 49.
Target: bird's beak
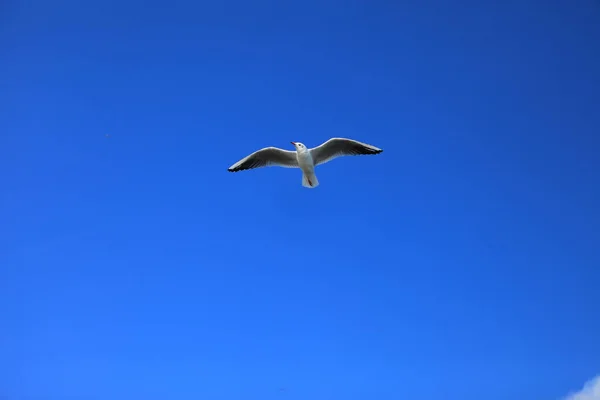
x: 294, y: 143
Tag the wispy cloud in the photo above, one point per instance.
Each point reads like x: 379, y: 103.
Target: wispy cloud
x: 590, y: 391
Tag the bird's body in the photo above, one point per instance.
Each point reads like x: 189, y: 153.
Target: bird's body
x: 307, y: 165
x: 304, y: 158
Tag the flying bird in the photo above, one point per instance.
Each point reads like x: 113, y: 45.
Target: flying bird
x: 304, y: 158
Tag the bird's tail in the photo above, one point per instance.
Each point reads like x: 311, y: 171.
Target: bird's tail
x: 310, y: 181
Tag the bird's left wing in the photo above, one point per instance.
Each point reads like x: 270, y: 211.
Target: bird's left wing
x: 337, y: 147
x: 267, y: 157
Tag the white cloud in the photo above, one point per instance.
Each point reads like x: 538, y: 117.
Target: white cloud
x: 590, y: 391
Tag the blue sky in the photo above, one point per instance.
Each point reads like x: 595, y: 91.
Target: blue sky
x: 461, y: 263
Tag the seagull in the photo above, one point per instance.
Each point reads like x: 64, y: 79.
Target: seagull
x: 304, y: 158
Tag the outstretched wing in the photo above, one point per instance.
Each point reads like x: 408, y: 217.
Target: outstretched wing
x: 337, y: 147
x: 267, y: 157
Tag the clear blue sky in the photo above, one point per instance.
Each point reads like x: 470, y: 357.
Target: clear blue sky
x: 461, y: 263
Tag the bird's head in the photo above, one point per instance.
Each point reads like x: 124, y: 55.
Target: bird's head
x: 299, y: 146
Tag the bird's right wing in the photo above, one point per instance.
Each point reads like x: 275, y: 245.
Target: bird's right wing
x: 267, y: 157
x: 337, y: 147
